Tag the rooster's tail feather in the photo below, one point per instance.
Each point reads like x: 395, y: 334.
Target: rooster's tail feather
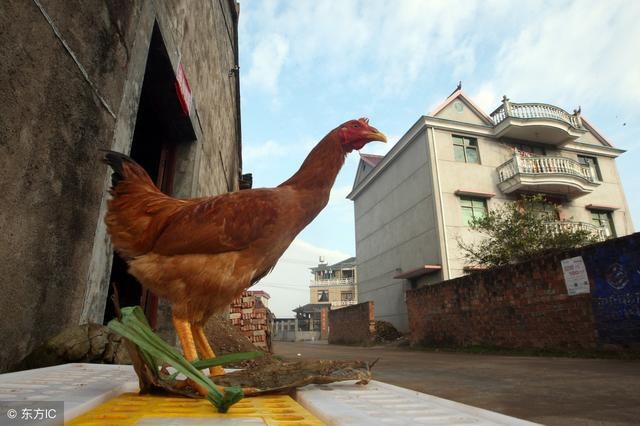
x: 115, y: 160
x: 137, y: 209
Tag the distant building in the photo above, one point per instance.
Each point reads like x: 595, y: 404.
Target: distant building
x: 456, y: 163
x: 309, y: 315
x: 334, y: 285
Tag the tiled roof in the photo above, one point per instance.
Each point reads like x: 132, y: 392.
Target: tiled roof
x: 312, y: 307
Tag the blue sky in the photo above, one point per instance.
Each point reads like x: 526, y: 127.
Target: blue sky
x: 307, y: 66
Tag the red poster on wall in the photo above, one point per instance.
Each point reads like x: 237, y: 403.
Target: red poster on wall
x: 183, y: 90
x: 324, y: 323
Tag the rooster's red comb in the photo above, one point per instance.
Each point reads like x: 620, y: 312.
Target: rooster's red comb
x: 364, y: 120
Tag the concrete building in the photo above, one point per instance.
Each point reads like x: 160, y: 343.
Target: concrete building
x: 456, y: 163
x: 157, y: 80
x: 334, y: 285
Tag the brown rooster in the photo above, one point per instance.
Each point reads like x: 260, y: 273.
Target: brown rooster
x: 201, y: 253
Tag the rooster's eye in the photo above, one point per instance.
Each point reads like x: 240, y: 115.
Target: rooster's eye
x: 355, y: 125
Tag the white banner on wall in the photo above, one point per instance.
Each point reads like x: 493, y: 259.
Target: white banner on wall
x: 575, y: 276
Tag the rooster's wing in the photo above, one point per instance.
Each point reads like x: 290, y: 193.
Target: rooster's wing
x: 228, y: 222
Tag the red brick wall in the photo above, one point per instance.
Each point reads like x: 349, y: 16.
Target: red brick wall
x: 352, y: 325
x: 514, y: 307
x: 527, y: 305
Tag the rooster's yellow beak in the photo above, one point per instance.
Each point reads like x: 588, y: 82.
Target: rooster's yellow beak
x: 375, y: 135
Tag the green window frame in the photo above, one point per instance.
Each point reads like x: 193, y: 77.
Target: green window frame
x: 465, y: 150
x: 472, y: 207
x: 604, y: 219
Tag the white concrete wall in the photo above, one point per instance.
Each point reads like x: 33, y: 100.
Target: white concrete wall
x: 395, y: 231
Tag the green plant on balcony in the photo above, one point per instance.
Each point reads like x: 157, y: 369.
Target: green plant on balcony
x: 520, y: 230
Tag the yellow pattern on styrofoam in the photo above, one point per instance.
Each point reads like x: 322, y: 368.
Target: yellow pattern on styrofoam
x: 129, y: 409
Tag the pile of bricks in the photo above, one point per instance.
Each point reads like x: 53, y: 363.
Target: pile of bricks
x: 251, y: 317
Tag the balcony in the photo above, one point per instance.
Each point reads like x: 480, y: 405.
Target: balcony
x: 547, y: 175
x: 332, y: 282
x: 600, y: 232
x: 342, y: 303
x: 537, y: 122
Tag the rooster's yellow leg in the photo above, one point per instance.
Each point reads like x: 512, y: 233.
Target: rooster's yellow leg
x: 204, y: 348
x: 183, y: 330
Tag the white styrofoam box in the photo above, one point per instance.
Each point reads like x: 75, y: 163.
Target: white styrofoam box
x: 85, y: 386
x: 81, y: 386
x: 346, y: 403
x: 190, y: 421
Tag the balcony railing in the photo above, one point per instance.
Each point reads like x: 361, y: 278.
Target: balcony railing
x: 600, y: 232
x: 343, y: 303
x: 539, y: 165
x: 332, y: 281
x: 534, y: 110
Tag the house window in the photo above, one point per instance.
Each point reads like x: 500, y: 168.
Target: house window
x: 592, y: 162
x: 472, y: 208
x: 346, y: 296
x: 603, y: 219
x: 465, y: 150
x: 546, y: 211
x: 323, y: 295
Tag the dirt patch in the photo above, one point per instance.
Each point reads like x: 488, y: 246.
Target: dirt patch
x: 227, y: 339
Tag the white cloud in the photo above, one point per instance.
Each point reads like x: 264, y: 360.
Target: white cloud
x: 486, y: 97
x: 566, y: 54
x: 561, y: 50
x: 265, y: 150
x: 363, y: 41
x: 267, y: 60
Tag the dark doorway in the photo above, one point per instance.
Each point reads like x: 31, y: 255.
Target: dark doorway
x: 161, y: 128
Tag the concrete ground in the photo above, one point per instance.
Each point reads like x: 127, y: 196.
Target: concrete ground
x: 547, y: 390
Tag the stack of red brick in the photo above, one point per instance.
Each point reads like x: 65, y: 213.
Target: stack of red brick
x: 251, y: 317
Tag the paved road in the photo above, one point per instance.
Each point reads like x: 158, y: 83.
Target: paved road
x: 547, y: 390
